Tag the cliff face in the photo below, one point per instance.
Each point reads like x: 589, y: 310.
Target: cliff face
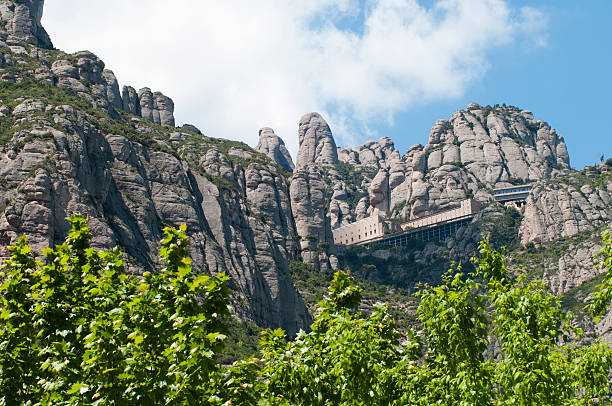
x: 310, y: 189
x: 566, y: 205
x: 274, y: 147
x: 21, y: 23
x: 72, y: 143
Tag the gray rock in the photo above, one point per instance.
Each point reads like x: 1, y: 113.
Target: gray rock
x: 556, y: 210
x: 147, y: 105
x: 379, y: 191
x: 21, y: 21
x: 29, y: 105
x: 112, y: 89
x: 316, y: 143
x: 131, y: 102
x: 164, y: 106
x: 65, y: 68
x: 192, y: 128
x: 238, y: 216
x: 90, y: 67
x: 156, y: 107
x: 274, y: 147
x: 312, y: 225
x: 240, y: 153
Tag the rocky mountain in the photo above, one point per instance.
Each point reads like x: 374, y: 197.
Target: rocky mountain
x: 476, y: 150
x: 21, y: 20
x: 71, y: 141
x: 567, y: 205
x: 274, y: 147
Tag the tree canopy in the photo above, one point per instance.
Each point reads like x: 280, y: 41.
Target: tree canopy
x: 77, y: 329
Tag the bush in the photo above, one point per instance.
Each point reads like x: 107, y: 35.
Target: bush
x: 349, y: 358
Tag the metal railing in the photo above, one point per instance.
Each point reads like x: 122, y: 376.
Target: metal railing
x: 438, y: 232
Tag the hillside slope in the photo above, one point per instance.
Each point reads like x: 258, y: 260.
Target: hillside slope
x: 72, y: 141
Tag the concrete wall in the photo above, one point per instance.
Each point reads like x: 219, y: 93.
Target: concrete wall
x: 467, y: 207
x: 362, y: 230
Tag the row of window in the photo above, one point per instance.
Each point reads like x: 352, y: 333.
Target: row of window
x: 359, y: 237
x: 439, y: 233
x: 515, y: 196
x: 512, y: 190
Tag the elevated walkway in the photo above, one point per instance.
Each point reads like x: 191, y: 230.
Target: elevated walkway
x: 432, y: 232
x: 514, y: 194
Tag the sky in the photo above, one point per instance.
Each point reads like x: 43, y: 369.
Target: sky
x: 372, y: 68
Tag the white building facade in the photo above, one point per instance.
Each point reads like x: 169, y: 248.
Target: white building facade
x: 360, y: 231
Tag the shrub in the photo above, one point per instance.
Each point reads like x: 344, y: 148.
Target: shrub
x: 349, y: 358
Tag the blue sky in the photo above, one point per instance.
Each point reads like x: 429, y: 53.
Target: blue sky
x: 567, y: 83
x: 372, y: 68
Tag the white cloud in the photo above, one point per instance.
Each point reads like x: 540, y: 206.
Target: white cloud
x: 232, y: 67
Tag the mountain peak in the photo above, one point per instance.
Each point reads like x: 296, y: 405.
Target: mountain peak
x: 274, y: 147
x: 317, y: 143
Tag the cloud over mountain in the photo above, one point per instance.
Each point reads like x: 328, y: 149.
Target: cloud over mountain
x: 233, y: 68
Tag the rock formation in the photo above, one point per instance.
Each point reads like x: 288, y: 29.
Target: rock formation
x: 68, y: 146
x: 565, y: 206
x: 274, y: 147
x: 131, y: 103
x: 317, y: 145
x: 156, y: 107
x: 20, y: 20
x: 375, y: 154
x: 66, y: 149
x: 478, y: 149
x: 309, y: 191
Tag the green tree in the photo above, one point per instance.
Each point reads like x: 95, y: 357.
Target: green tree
x: 486, y: 339
x: 79, y: 330
x: 341, y: 361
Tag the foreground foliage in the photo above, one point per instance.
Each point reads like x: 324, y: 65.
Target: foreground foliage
x: 78, y: 330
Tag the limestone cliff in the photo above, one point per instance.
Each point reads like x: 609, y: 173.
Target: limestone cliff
x: 274, y: 147
x: 21, y: 23
x: 478, y: 149
x: 72, y: 143
x: 566, y: 205
x: 310, y: 190
x: 316, y: 143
